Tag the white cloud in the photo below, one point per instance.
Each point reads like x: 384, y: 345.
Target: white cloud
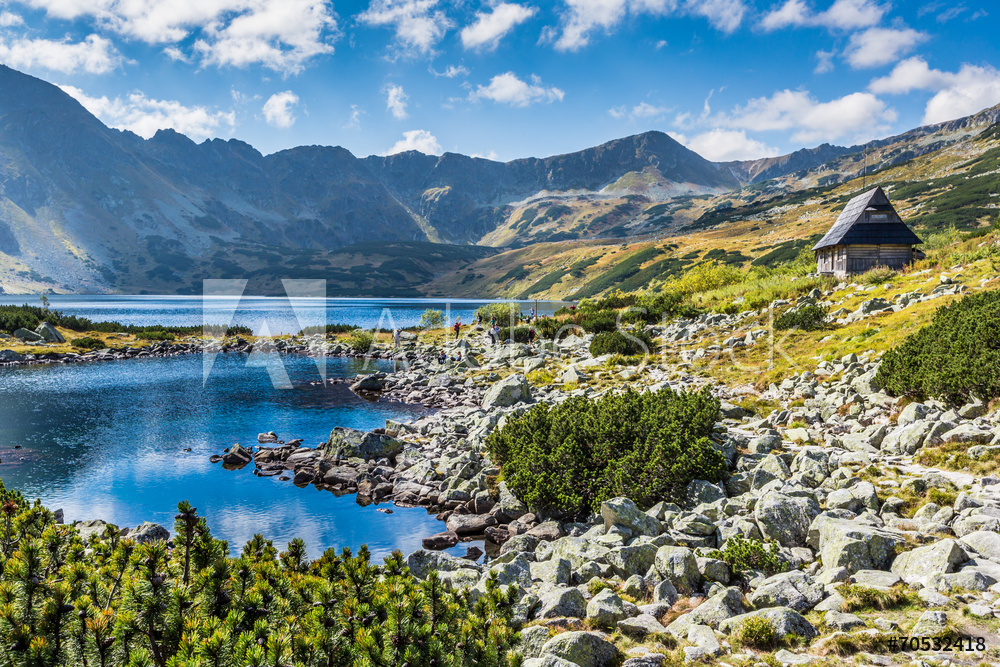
x: 451, y: 71
x: 643, y: 110
x: 492, y: 155
x: 824, y: 61
x: 842, y: 15
x: 395, y: 101
x: 278, y: 109
x: 354, y: 121
x: 880, y: 46
x: 417, y: 140
x: 419, y: 27
x: 279, y: 34
x: 582, y: 17
x: 145, y: 116
x: 856, y: 116
x: 9, y: 19
x: 490, y: 27
x: 969, y: 90
x: 95, y: 55
x: 721, y: 145
x: 506, y: 88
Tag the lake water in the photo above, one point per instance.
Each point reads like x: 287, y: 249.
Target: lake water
x: 106, y: 440
x: 278, y: 314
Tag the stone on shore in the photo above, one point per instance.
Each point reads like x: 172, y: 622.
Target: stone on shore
x: 347, y: 443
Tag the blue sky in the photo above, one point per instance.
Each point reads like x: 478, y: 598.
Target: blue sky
x: 731, y: 79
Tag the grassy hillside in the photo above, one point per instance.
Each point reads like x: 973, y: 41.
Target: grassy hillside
x: 940, y: 194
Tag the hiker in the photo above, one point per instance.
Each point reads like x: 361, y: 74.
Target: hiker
x: 457, y: 327
x: 495, y: 334
x: 395, y: 338
x: 531, y: 335
x: 442, y: 357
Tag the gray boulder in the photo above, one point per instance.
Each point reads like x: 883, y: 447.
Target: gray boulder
x: 716, y: 609
x: 852, y: 545
x: 585, y: 649
x: 8, y: 356
x: 680, y: 566
x: 985, y: 543
x: 422, y: 562
x: 795, y: 590
x: 28, y: 336
x: 629, y: 560
x: 508, y: 391
x: 562, y: 603
x: 350, y: 443
x: 841, y: 621
x: 930, y: 624
x: 785, y: 621
x: 148, y: 532
x: 623, y: 512
x: 939, y: 558
x: 785, y: 519
x: 49, y: 333
x: 641, y: 626
x: 606, y: 609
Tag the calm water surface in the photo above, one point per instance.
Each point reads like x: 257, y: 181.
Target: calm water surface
x: 278, y: 314
x: 106, y: 440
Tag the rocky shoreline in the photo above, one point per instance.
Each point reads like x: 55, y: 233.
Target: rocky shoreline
x: 828, y: 476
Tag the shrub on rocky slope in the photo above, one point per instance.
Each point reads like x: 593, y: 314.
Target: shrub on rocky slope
x: 955, y: 357
x: 573, y: 456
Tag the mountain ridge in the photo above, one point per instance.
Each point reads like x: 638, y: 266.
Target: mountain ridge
x: 84, y: 207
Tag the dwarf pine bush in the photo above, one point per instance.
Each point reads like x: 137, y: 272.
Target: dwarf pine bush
x: 955, y: 357
x: 109, y: 602
x: 808, y: 317
x: 626, y: 343
x: 573, y: 456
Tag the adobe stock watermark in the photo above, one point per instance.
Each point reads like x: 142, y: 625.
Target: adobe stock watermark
x: 306, y: 311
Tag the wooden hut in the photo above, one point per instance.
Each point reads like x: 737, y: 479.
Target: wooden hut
x: 868, y: 233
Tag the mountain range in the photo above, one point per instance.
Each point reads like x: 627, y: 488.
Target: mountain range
x: 88, y: 208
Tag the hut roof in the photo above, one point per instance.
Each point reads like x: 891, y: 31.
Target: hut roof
x: 851, y: 227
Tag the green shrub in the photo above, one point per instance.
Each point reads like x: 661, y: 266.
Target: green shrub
x: 598, y: 322
x: 808, y: 318
x: 955, y: 357
x: 88, y: 343
x: 155, y: 335
x: 572, y: 456
x: 360, y: 341
x: 547, y: 327
x: 744, y: 555
x: 756, y: 632
x: 877, y: 276
x: 503, y: 311
x: 111, y: 602
x: 432, y: 319
x: 520, y: 334
x: 617, y: 342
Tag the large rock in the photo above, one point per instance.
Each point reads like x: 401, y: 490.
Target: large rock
x: 680, y: 566
x: 939, y: 558
x: 641, y: 626
x: 562, y: 603
x: 49, y: 333
x: 586, y: 649
x: 795, y: 590
x: 606, y: 609
x: 635, y: 559
x: 373, y: 382
x: 854, y: 546
x: 8, y: 356
x: 350, y: 443
x: 28, y: 336
x: 578, y: 551
x: 422, y: 562
x: 785, y: 621
x: 508, y: 391
x: 470, y: 524
x: 148, y: 532
x: 907, y: 439
x: 785, y: 519
x: 623, y: 512
x: 716, y: 609
x: 930, y: 624
x: 237, y: 456
x: 985, y: 543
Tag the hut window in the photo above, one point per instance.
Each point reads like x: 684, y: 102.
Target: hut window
x: 880, y: 216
